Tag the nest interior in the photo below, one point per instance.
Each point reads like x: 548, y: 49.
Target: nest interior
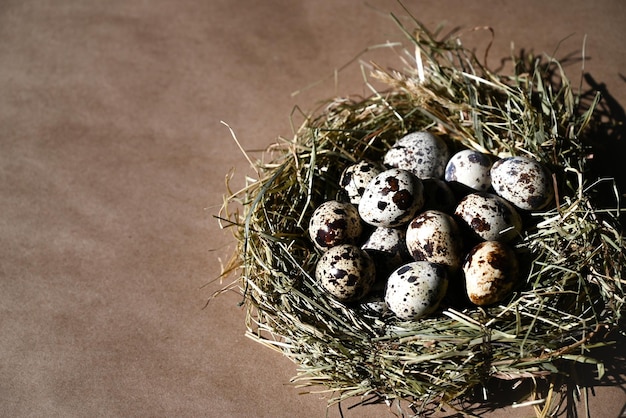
x: 573, y: 292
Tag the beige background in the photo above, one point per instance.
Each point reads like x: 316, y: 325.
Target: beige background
x: 112, y: 165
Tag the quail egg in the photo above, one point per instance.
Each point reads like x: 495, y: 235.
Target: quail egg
x: 435, y: 236
x: 470, y: 168
x: 334, y: 223
x: 386, y: 240
x: 416, y: 289
x: 374, y: 305
x: 346, y: 272
x: 491, y: 271
x: 523, y: 181
x: 387, y: 247
x: 356, y: 177
x: 489, y: 217
x: 392, y: 198
x: 422, y: 153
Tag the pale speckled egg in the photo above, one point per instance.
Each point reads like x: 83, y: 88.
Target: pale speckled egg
x: 438, y: 196
x: 346, y: 272
x: 422, y: 153
x: 435, y: 236
x: 489, y: 216
x: 523, y: 181
x: 355, y: 178
x: 491, y: 272
x: 374, y: 305
x: 392, y: 198
x: 387, y: 247
x: 334, y: 223
x: 416, y: 289
x: 470, y: 168
x: 386, y: 240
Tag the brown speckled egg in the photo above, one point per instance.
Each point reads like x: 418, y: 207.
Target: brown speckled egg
x: 523, y: 181
x: 489, y: 217
x: 334, y: 223
x: 392, y: 198
x: 355, y: 178
x: 470, y: 168
x: 435, y: 236
x: 416, y: 289
x: 491, y: 271
x: 346, y: 272
x: 422, y: 153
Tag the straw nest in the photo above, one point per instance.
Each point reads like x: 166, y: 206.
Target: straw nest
x: 573, y: 292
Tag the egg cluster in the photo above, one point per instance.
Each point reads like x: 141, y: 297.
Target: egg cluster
x: 402, y: 228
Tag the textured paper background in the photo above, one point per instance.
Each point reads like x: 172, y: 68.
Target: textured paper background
x: 112, y: 165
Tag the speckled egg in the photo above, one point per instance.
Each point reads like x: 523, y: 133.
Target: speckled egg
x: 435, y: 236
x: 491, y: 271
x: 416, y: 289
x: 346, y: 272
x: 334, y: 223
x: 438, y: 196
x: 355, y: 178
x: 374, y: 305
x: 523, y: 181
x: 392, y: 198
x: 386, y: 240
x: 422, y: 153
x: 470, y: 168
x: 489, y: 217
x: 387, y: 247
